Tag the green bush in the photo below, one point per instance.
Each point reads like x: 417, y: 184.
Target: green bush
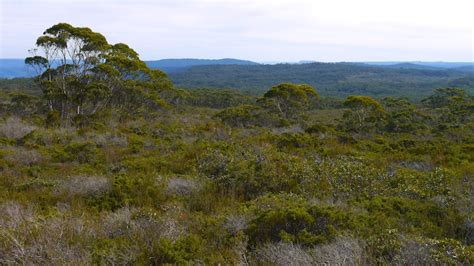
x: 187, y: 249
x: 297, y: 222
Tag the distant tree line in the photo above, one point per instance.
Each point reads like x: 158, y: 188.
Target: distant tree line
x: 332, y: 79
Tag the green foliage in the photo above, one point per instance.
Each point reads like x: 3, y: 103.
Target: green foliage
x: 185, y: 250
x: 289, y: 99
x: 316, y: 129
x: 19, y: 85
x: 217, y: 98
x: 211, y: 183
x: 338, y: 80
x: 81, y: 152
x: 364, y: 115
x: 80, y: 74
x: 403, y: 116
x: 240, y: 116
x: 444, y: 97
x: 53, y: 119
x: 411, y: 216
x: 110, y: 251
x: 296, y: 222
x: 454, y: 107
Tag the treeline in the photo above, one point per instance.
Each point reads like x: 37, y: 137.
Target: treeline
x: 337, y: 80
x: 24, y: 85
x: 332, y: 79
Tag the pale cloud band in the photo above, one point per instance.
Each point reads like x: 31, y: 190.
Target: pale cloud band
x: 263, y: 30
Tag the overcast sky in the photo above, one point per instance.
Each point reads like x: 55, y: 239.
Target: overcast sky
x: 259, y: 30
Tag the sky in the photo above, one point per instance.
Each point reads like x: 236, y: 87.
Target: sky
x: 258, y: 30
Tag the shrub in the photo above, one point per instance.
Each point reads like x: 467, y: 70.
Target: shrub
x: 297, y: 223
x: 296, y: 140
x: 422, y: 217
x: 236, y: 223
x: 15, y: 128
x: 340, y: 251
x: 87, y: 186
x: 114, y: 251
x: 187, y: 249
x: 316, y: 129
x: 109, y: 139
x: 81, y: 152
x: 138, y: 190
x: 181, y: 186
x: 28, y: 238
x: 282, y: 254
x: 22, y: 156
x: 13, y: 214
x: 383, y: 245
x: 414, y: 253
x: 240, y: 116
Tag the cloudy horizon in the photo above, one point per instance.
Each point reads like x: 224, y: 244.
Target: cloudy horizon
x: 262, y: 31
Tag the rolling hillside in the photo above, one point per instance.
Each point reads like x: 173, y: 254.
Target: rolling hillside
x: 16, y: 68
x: 172, y: 65
x: 330, y: 79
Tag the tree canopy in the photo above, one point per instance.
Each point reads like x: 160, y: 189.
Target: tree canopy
x: 445, y: 96
x: 80, y: 74
x: 288, y: 99
x: 364, y: 112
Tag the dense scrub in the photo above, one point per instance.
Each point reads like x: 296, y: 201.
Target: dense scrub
x: 114, y: 165
x: 227, y: 178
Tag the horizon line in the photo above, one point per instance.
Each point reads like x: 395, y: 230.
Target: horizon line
x: 292, y: 61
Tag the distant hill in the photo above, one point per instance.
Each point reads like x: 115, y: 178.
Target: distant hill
x: 172, y: 65
x: 411, y: 79
x: 450, y: 65
x: 465, y: 68
x: 410, y: 66
x: 330, y: 79
x: 15, y: 68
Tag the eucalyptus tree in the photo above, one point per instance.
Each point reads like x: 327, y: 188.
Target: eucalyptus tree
x: 364, y: 114
x: 80, y: 74
x: 289, y: 99
x: 454, y: 107
x: 443, y: 97
x: 403, y: 116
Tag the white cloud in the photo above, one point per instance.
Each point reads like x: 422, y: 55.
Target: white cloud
x: 263, y: 30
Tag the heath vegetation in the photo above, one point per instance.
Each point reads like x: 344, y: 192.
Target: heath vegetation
x: 106, y: 162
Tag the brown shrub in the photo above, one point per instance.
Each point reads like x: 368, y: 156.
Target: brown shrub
x: 84, y: 186
x: 236, y: 223
x: 341, y: 251
x: 414, y: 253
x: 13, y: 215
x: 15, y: 128
x: 22, y: 156
x: 282, y: 254
x: 181, y: 186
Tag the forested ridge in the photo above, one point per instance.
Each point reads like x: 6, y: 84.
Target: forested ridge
x: 104, y: 160
x: 331, y: 79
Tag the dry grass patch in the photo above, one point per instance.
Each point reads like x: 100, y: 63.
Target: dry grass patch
x: 85, y: 186
x: 15, y: 128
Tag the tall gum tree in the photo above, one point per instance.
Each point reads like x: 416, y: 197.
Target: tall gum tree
x: 80, y: 74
